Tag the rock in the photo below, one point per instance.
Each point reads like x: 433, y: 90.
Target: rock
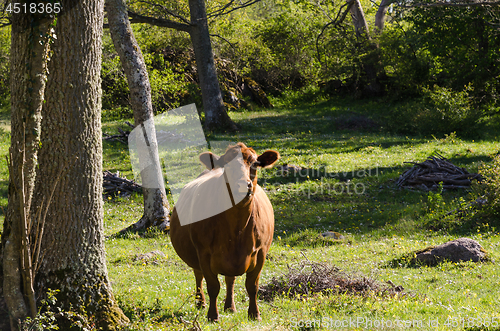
x: 462, y: 249
x: 333, y: 234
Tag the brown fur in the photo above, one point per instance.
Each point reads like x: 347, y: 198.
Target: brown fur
x: 233, y: 242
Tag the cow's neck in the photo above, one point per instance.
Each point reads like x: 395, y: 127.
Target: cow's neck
x: 239, y: 217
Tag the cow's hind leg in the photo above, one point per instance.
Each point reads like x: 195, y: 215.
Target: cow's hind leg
x: 213, y: 288
x: 229, y: 303
x: 252, y: 286
x: 200, y: 296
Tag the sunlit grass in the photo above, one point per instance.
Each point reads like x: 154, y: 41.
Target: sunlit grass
x: 347, y: 185
x: 380, y: 223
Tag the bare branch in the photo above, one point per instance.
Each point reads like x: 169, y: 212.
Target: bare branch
x: 337, y: 21
x: 137, y: 18
x: 224, y: 39
x: 451, y: 4
x: 221, y: 11
x: 166, y: 10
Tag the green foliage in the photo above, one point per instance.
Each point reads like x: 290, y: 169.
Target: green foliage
x: 4, y: 65
x: 489, y: 190
x: 435, y: 201
x: 46, y: 317
x: 290, y: 37
x: 50, y: 314
x: 274, y: 42
x: 447, y: 54
x: 115, y: 92
x: 168, y: 86
x: 439, y: 110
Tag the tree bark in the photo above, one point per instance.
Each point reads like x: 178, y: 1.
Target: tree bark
x: 74, y: 257
x: 371, y: 63
x: 381, y: 13
x: 216, y: 117
x: 359, y: 21
x: 156, y: 208
x: 30, y: 43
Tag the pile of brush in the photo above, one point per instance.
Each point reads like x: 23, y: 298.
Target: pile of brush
x: 308, y: 278
x: 114, y: 185
x: 434, y: 170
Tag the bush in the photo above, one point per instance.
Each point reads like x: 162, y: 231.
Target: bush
x: 4, y: 65
x: 439, y: 110
x: 489, y: 189
x: 115, y: 91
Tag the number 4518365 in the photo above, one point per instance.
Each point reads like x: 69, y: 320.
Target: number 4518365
x: 33, y: 8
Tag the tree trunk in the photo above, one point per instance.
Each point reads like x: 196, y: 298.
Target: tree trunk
x: 156, y: 208
x: 73, y: 245
x: 216, y: 117
x: 359, y: 21
x: 371, y: 61
x: 29, y: 43
x: 380, y: 15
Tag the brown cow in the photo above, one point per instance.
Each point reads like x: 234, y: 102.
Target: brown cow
x: 236, y: 240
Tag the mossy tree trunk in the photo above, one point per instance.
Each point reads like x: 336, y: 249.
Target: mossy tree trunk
x: 73, y: 243
x: 216, y: 117
x: 29, y: 45
x: 156, y: 208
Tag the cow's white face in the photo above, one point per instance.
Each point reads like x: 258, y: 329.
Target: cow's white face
x: 240, y: 165
x: 237, y: 175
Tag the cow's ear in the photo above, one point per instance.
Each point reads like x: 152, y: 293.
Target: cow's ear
x: 268, y: 158
x: 209, y: 160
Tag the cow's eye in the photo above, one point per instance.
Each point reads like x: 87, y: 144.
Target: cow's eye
x: 255, y: 165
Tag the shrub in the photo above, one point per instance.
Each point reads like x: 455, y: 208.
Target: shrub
x: 4, y: 64
x: 115, y: 91
x: 489, y: 189
x: 439, y: 110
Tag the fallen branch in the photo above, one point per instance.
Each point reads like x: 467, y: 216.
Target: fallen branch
x: 434, y: 170
x: 114, y: 185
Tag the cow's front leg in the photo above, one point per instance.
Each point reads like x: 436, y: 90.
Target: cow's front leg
x: 252, y: 286
x: 213, y: 288
x: 229, y: 303
x: 200, y: 296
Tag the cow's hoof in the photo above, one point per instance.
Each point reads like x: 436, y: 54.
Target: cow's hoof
x: 230, y: 309
x: 213, y: 318
x: 254, y: 316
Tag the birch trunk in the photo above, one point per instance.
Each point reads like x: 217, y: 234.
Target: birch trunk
x: 381, y: 13
x: 156, y: 208
x: 359, y: 21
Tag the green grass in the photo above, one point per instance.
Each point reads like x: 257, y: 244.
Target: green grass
x: 349, y: 187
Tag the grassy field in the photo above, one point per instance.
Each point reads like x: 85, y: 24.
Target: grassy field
x: 347, y: 185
